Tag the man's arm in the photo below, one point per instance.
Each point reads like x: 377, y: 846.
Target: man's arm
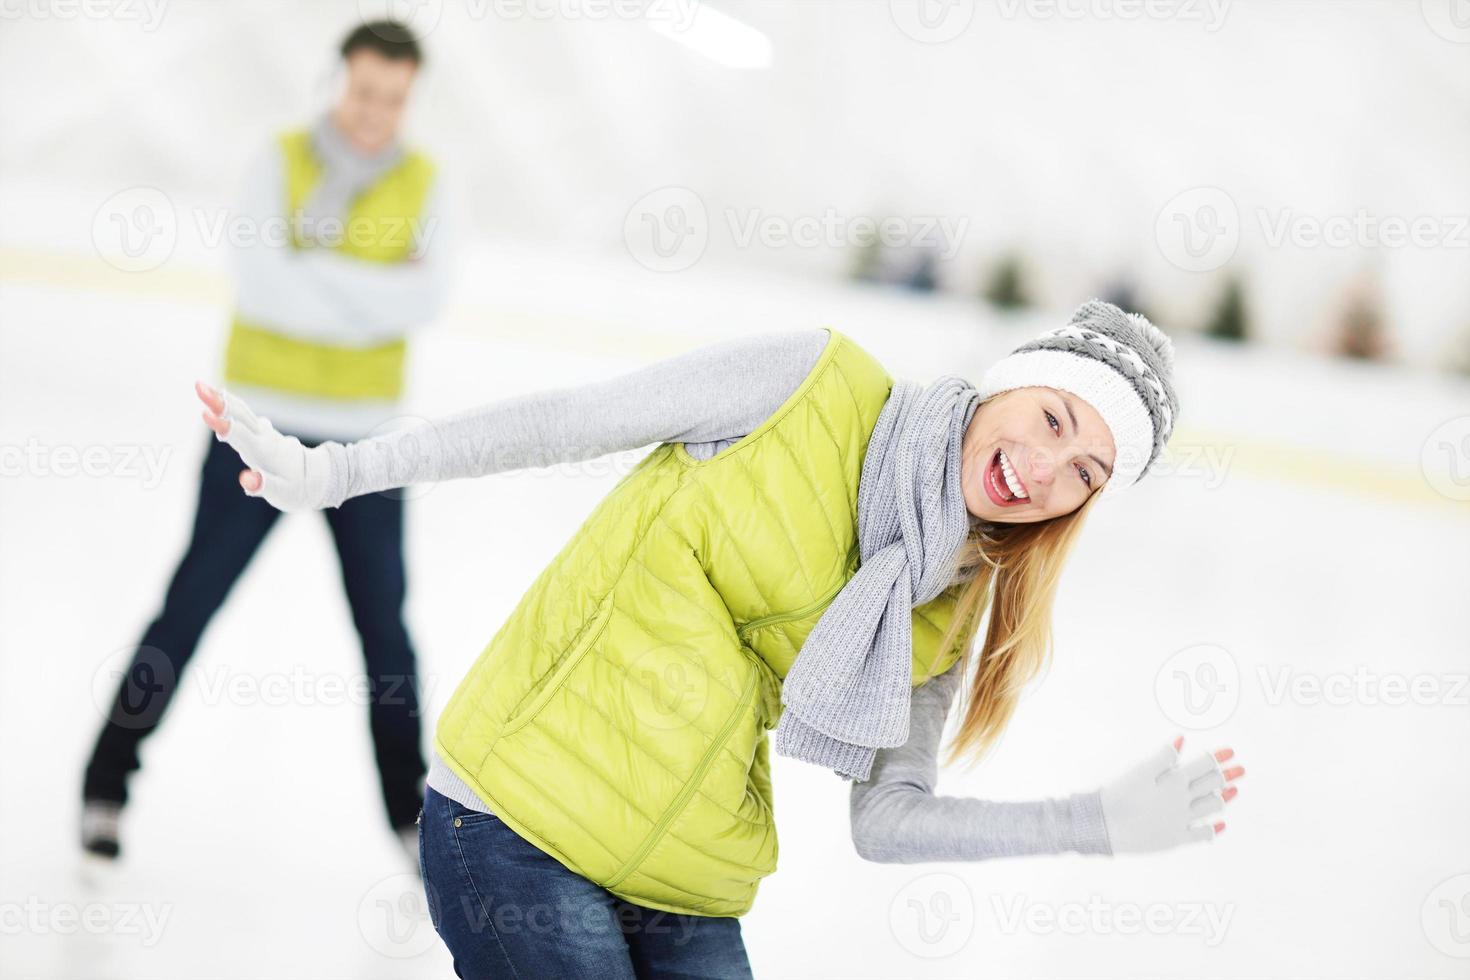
x: 272, y: 287
x: 320, y: 295
x: 386, y: 300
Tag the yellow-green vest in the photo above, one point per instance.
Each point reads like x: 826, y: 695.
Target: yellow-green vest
x: 377, y: 228
x: 618, y: 720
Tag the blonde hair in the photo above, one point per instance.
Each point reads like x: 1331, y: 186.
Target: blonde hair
x: 1016, y: 567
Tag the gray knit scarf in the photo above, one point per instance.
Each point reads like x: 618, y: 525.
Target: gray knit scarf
x: 346, y: 173
x: 847, y: 693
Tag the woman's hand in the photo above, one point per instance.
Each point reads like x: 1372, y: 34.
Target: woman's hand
x: 287, y: 474
x: 1153, y: 805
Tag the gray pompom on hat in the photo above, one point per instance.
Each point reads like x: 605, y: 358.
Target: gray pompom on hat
x: 1120, y: 364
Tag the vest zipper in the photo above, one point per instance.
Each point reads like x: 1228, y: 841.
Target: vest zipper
x: 693, y: 783
x: 783, y: 617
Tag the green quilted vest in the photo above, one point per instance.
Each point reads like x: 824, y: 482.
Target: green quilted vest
x: 619, y: 719
x: 377, y: 228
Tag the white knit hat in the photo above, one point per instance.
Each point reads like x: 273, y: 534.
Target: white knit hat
x: 1120, y: 364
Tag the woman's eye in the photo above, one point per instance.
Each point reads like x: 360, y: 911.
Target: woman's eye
x: 1086, y: 476
x: 1051, y: 420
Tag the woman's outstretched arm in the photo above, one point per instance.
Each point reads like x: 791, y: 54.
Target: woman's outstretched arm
x: 898, y: 819
x: 716, y: 392
x: 1159, y: 802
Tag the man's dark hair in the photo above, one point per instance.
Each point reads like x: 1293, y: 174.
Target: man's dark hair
x: 390, y: 38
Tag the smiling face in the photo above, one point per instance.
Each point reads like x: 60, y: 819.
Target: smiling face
x: 1030, y: 454
x: 371, y: 106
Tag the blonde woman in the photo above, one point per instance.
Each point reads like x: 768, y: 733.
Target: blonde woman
x: 812, y: 547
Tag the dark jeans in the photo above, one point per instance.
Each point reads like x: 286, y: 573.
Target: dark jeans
x: 228, y: 527
x: 505, y: 908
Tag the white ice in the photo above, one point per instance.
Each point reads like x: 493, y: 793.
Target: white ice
x: 1294, y: 528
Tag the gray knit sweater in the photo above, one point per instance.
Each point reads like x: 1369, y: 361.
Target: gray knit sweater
x: 708, y: 398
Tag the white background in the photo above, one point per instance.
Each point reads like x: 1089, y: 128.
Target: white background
x: 1310, y: 520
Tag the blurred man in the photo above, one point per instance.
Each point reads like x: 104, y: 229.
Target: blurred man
x: 349, y: 253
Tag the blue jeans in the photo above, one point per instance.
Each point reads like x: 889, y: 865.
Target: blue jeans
x: 505, y: 908
x: 228, y: 528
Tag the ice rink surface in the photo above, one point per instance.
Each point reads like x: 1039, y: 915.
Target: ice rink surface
x: 1291, y: 584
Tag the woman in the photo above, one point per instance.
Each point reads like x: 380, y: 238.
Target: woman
x: 811, y: 547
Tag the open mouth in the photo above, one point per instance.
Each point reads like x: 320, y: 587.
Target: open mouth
x: 1001, y: 483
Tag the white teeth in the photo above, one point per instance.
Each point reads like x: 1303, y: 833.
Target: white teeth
x: 1011, y: 482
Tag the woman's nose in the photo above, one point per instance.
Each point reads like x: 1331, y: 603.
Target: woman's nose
x: 1041, y: 467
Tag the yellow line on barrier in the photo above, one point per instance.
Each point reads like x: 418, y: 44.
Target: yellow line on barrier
x: 1295, y: 464
x: 35, y: 267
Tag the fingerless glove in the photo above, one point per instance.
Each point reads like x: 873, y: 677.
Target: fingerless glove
x: 1154, y: 805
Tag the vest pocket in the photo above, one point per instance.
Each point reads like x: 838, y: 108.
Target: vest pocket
x: 537, y: 697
